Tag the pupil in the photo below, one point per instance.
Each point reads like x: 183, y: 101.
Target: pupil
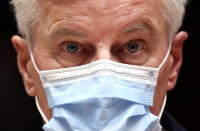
x: 72, y: 48
x: 132, y: 47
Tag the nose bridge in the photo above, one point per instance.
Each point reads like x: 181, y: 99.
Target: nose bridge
x: 103, y: 51
x: 103, y: 42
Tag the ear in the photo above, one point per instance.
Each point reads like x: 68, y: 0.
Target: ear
x: 176, y: 58
x: 23, y: 60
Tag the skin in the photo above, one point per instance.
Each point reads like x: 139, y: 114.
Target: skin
x: 103, y: 29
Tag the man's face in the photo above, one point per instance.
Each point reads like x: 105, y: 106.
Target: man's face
x: 76, y: 32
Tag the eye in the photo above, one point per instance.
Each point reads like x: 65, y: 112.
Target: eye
x: 71, y: 47
x: 133, y: 46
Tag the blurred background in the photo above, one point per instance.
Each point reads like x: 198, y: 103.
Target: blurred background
x: 19, y: 113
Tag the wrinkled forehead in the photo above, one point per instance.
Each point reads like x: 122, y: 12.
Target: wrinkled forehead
x: 99, y: 11
x: 103, y: 6
x: 100, y: 16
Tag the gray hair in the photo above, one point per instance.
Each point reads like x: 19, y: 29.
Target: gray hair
x: 173, y: 12
x: 26, y: 12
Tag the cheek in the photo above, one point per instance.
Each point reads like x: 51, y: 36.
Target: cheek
x: 161, y: 89
x: 162, y: 82
x: 40, y: 93
x: 162, y: 85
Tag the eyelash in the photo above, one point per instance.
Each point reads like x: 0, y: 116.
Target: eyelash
x: 121, y: 48
x: 140, y: 43
x: 66, y: 43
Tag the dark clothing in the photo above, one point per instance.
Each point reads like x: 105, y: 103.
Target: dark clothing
x: 169, y: 123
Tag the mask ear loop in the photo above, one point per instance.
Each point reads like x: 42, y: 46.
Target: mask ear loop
x: 36, y: 99
x: 33, y: 61
x: 161, y: 65
x: 40, y: 110
x: 166, y: 57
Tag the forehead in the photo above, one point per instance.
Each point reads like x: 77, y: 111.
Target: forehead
x: 101, y: 7
x: 99, y: 15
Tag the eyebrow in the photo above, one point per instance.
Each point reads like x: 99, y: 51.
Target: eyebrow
x: 138, y: 26
x: 64, y: 31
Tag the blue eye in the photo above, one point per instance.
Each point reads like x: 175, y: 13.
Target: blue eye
x: 71, y: 47
x: 132, y: 47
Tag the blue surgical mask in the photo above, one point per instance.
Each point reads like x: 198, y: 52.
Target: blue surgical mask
x: 101, y: 96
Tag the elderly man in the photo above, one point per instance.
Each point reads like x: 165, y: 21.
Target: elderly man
x: 100, y: 65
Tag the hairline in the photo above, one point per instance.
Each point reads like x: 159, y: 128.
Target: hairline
x: 29, y: 30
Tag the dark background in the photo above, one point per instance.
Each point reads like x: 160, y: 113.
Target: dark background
x: 18, y: 111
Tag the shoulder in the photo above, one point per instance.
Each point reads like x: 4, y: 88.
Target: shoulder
x: 169, y: 123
